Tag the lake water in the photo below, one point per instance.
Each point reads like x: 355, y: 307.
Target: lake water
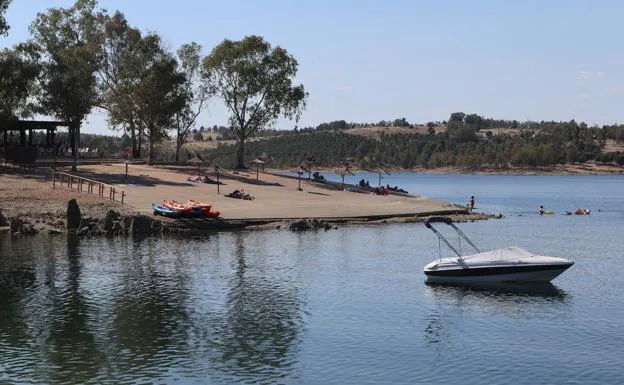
x: 348, y: 306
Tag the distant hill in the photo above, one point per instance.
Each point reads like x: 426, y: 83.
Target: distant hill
x: 465, y: 140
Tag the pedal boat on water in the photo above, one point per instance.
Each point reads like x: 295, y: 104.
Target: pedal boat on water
x: 511, y: 264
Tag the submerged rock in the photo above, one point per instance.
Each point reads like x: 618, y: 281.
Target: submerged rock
x: 309, y: 224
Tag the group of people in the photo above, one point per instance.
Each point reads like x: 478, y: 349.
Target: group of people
x: 318, y: 177
x: 363, y: 183
x: 576, y: 212
x: 381, y: 190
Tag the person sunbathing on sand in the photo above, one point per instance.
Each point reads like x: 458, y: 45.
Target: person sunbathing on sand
x: 240, y: 194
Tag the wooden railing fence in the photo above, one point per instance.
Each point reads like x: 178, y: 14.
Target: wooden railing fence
x: 89, y: 186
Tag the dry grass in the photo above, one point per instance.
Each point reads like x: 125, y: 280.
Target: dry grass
x: 613, y: 146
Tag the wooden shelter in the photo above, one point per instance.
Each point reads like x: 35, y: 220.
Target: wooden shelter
x: 25, y: 152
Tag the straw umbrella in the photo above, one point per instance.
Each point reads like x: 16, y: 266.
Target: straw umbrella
x: 196, y: 161
x: 381, y: 170
x: 258, y: 162
x: 343, y: 173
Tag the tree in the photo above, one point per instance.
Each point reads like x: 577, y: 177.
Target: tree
x: 66, y: 41
x: 4, y: 27
x: 18, y: 76
x: 148, y: 91
x: 256, y: 83
x: 193, y: 90
x: 118, y: 42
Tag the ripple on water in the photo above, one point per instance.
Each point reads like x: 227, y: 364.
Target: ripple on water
x: 344, y: 307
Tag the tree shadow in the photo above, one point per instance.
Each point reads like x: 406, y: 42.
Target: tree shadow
x: 130, y: 179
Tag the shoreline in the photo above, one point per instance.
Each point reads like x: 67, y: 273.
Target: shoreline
x: 558, y: 170
x: 30, y: 205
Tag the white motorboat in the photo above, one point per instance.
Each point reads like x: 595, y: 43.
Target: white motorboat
x: 511, y: 264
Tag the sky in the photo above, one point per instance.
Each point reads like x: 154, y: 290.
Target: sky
x: 372, y: 60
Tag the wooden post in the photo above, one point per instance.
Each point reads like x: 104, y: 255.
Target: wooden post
x: 218, y: 184
x: 53, y: 179
x: 299, y: 180
x: 342, y: 186
x: 257, y: 170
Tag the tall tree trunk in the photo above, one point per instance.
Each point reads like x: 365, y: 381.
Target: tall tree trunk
x: 150, y: 149
x: 240, y: 153
x: 133, y: 139
x: 178, y: 146
x: 75, y: 143
x: 139, y: 145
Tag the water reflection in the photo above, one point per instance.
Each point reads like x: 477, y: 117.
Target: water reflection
x: 17, y: 277
x: 511, y: 300
x: 496, y: 290
x: 149, y: 310
x: 258, y: 335
x: 70, y: 346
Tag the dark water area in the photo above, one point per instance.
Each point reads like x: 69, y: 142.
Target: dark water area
x: 348, y: 306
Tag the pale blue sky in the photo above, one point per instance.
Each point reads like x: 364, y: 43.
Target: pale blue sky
x: 369, y: 60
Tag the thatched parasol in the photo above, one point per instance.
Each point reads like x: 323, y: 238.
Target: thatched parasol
x: 258, y: 162
x: 343, y: 173
x: 380, y: 170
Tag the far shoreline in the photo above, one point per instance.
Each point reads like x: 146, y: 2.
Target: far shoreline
x: 557, y: 170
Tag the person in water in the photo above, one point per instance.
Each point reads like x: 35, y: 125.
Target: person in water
x: 471, y: 202
x: 541, y: 210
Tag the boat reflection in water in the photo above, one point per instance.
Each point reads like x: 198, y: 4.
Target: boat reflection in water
x: 496, y: 289
x: 459, y: 310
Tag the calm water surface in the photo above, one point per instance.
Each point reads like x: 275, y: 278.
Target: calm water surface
x: 347, y: 306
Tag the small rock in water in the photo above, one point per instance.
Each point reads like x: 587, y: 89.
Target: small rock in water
x: 74, y: 216
x: 309, y: 224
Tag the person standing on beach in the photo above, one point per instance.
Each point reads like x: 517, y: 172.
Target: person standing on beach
x: 471, y: 202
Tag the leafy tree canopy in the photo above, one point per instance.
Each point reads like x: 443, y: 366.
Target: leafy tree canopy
x: 256, y: 83
x: 4, y: 27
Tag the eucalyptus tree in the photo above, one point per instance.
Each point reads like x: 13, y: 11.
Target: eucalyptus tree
x: 67, y: 42
x: 147, y: 91
x: 18, y: 80
x: 4, y: 26
x: 118, y: 43
x: 256, y: 83
x: 194, y: 91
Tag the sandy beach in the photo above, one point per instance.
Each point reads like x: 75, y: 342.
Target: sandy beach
x: 275, y: 197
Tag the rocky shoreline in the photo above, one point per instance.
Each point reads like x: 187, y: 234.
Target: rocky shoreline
x: 115, y: 223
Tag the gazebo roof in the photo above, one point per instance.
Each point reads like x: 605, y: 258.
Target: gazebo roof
x: 16, y: 125
x: 258, y: 161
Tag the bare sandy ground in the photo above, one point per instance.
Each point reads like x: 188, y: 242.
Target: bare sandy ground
x: 31, y: 195
x: 275, y: 197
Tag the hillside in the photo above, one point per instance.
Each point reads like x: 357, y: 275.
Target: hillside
x: 467, y: 141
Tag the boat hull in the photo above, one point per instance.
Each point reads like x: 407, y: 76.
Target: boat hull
x: 473, y: 275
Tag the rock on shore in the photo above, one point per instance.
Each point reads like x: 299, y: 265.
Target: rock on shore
x: 73, y: 222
